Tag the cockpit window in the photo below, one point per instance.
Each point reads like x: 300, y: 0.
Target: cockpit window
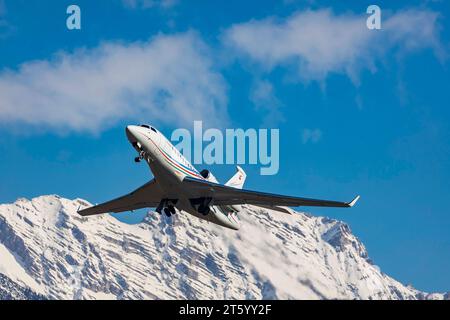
x: 146, y: 125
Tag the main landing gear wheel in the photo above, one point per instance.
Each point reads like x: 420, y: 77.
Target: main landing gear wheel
x: 204, y: 210
x: 167, y: 212
x: 137, y: 159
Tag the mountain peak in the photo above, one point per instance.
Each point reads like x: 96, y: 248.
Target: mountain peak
x: 55, y: 253
x: 340, y: 237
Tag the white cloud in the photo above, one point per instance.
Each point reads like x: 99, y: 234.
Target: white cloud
x: 169, y: 79
x: 262, y: 96
x: 311, y: 135
x: 320, y: 42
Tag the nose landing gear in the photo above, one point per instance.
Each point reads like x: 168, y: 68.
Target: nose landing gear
x: 140, y: 157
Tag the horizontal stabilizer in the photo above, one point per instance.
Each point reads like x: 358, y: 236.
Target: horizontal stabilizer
x: 279, y: 209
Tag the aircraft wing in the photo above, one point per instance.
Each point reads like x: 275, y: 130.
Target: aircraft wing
x: 224, y: 195
x: 148, y: 195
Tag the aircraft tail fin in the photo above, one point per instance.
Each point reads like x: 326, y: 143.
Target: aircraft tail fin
x: 237, y: 181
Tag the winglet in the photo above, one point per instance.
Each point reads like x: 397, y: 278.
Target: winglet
x: 352, y: 203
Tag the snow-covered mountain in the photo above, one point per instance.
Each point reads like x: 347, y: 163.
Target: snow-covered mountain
x: 48, y: 251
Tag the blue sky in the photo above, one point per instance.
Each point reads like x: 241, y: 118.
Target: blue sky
x: 359, y: 111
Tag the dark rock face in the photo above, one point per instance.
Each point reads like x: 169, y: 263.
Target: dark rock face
x: 10, y: 290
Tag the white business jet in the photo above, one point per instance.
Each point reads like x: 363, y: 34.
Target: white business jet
x: 178, y: 185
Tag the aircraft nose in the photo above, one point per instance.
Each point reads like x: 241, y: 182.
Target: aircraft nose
x: 131, y: 133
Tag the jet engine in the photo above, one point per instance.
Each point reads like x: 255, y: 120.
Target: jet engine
x: 208, y: 176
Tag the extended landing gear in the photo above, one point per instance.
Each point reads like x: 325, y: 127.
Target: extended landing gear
x: 202, y: 205
x: 167, y: 207
x: 169, y: 210
x: 204, y: 210
x: 139, y: 157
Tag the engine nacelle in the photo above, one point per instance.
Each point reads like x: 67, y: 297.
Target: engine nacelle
x: 208, y: 176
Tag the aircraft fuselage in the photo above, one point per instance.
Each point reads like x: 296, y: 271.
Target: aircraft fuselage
x: 170, y: 167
